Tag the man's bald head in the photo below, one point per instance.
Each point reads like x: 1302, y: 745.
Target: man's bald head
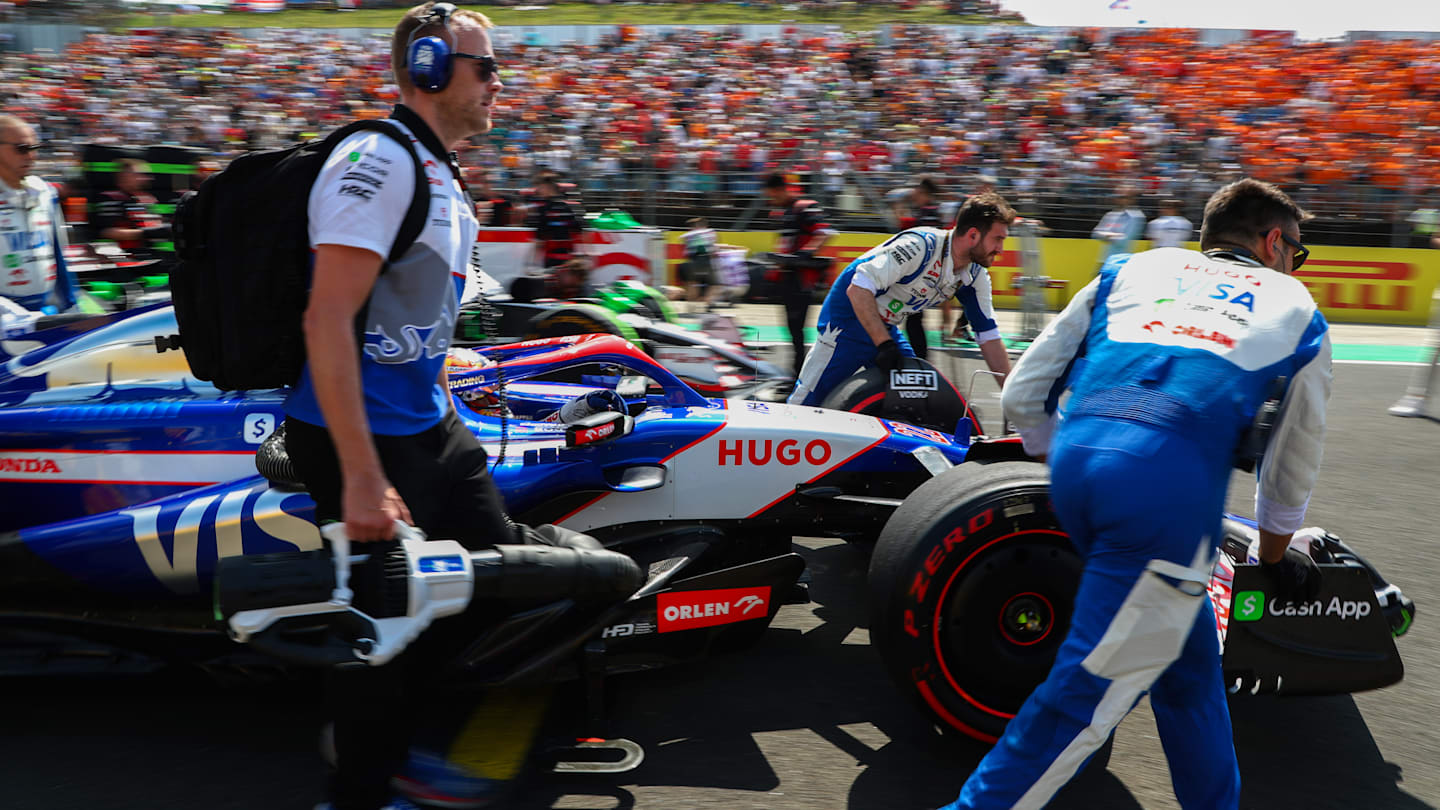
x: 11, y: 125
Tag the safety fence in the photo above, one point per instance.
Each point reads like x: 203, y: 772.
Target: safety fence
x: 1355, y: 213
x: 1351, y: 285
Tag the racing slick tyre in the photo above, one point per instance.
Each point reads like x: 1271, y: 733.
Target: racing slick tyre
x: 866, y: 392
x: 971, y: 589
x: 579, y: 319
x: 648, y: 302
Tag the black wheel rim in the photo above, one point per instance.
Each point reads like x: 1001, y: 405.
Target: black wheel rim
x: 1002, y: 616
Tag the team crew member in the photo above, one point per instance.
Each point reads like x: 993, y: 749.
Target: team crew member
x: 697, y: 271
x: 33, y: 229
x: 126, y: 213
x: 497, y: 208
x: 1169, y: 229
x: 802, y: 233
x: 558, y: 231
x: 910, y: 272
x: 1167, y: 355
x: 369, y: 426
x: 925, y: 210
x: 1118, y: 229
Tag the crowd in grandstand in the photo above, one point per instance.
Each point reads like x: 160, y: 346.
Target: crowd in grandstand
x: 714, y: 111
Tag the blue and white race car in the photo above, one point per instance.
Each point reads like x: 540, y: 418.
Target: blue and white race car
x: 124, y: 483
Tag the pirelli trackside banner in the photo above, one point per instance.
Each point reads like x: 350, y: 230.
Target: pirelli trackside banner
x: 1351, y: 285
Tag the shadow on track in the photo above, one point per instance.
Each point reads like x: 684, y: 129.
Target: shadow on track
x: 159, y: 741
x: 709, y: 726
x: 1312, y: 752
x: 807, y: 718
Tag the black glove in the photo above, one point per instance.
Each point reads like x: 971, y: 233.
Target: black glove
x: 1296, y: 576
x: 888, y: 356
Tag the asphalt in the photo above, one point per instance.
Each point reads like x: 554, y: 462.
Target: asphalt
x: 807, y: 718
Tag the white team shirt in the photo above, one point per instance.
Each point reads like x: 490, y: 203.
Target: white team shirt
x: 1251, y: 330
x: 1169, y: 232
x: 914, y: 271
x: 29, y: 229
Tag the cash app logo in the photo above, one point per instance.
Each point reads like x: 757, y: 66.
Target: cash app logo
x: 896, y: 306
x: 1249, y: 606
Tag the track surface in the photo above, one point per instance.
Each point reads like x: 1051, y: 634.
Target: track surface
x: 807, y: 719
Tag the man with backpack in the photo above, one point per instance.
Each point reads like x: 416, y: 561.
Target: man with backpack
x: 369, y: 426
x: 335, y: 267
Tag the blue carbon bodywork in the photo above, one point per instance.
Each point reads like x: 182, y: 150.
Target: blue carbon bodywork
x: 127, y: 475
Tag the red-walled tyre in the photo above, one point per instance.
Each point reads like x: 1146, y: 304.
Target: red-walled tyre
x: 971, y: 588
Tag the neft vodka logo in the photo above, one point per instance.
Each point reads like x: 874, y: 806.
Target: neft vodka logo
x: 689, y: 610
x: 913, y: 383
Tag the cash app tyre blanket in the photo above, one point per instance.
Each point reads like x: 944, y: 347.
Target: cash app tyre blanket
x: 971, y: 589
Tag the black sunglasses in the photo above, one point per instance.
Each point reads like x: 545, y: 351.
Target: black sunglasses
x: 24, y: 148
x: 488, y: 67
x: 1301, y: 252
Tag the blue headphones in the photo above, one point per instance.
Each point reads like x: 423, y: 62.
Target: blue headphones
x: 428, y: 58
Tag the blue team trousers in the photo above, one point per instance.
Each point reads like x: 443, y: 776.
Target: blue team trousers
x: 1143, y: 505
x: 838, y: 353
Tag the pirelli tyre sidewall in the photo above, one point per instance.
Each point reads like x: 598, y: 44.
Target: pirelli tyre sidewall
x: 971, y: 588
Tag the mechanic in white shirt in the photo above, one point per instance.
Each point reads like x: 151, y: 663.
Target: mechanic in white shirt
x: 1119, y: 228
x: 1169, y: 229
x: 1167, y: 356
x: 32, y: 227
x: 910, y: 272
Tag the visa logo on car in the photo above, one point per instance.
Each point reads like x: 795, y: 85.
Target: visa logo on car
x: 174, y: 560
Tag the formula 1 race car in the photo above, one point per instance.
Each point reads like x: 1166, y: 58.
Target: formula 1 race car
x: 122, y: 487
x: 707, y: 350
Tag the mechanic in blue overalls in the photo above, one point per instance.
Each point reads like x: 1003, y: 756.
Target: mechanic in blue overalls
x: 910, y: 272
x: 35, y: 279
x: 1167, y: 356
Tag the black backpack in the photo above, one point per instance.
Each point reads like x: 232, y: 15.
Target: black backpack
x: 243, y: 275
